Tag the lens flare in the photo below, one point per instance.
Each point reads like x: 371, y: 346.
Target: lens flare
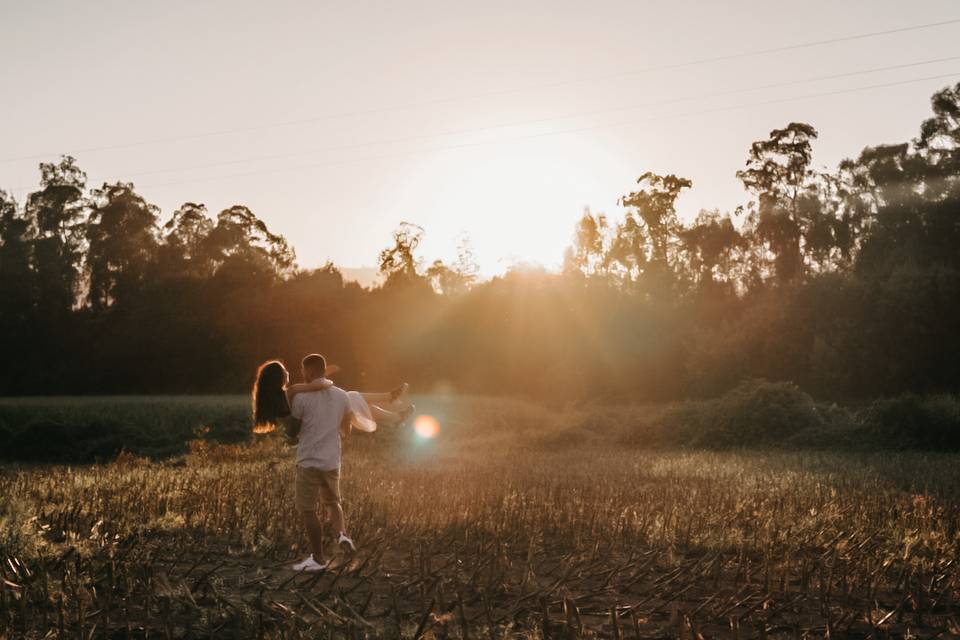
x: 426, y: 427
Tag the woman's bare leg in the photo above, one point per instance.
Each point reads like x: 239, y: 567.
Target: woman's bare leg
x: 387, y: 398
x: 385, y: 417
x: 373, y: 397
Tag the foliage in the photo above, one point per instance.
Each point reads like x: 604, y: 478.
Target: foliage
x: 844, y: 283
x: 755, y: 415
x: 913, y: 422
x: 398, y: 263
x: 86, y: 430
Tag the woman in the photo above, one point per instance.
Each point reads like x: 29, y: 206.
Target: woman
x: 272, y: 397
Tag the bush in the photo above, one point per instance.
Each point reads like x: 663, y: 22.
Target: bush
x: 761, y: 413
x: 46, y: 440
x: 5, y: 433
x: 677, y: 425
x: 40, y: 440
x: 80, y: 430
x: 912, y: 422
x: 837, y: 430
x: 755, y: 413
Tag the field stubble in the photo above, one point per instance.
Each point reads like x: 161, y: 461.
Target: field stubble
x: 497, y: 527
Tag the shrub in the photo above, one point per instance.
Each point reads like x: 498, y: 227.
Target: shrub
x: 756, y: 412
x: 48, y: 440
x: 5, y: 433
x: 42, y: 439
x: 912, y: 422
x: 677, y: 425
x: 79, y: 430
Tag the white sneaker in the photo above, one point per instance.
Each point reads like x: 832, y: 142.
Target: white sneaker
x: 345, y: 539
x: 310, y: 565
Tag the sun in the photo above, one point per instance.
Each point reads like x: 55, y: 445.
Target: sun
x: 524, y: 199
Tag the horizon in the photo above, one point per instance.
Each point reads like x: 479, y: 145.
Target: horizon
x: 507, y: 138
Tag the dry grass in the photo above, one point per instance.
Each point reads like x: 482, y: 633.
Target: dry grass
x: 498, y: 527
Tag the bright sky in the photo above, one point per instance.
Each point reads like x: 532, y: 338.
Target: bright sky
x: 334, y: 121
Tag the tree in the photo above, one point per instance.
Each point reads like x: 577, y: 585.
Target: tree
x: 710, y: 245
x: 655, y: 207
x: 905, y: 199
x: 881, y: 175
x: 16, y: 264
x: 18, y: 311
x: 466, y: 266
x: 655, y: 204
x: 458, y: 278
x: 647, y: 308
x: 398, y: 264
x: 122, y: 236
x: 627, y: 255
x: 778, y: 172
x: 185, y: 238
x: 56, y: 212
x: 939, y: 137
x: 835, y: 216
x: 240, y: 238
x: 587, y: 254
x: 442, y: 278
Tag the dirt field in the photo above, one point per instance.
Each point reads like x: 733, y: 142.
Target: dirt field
x: 500, y: 526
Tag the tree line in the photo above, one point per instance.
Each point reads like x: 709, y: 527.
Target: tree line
x: 846, y: 282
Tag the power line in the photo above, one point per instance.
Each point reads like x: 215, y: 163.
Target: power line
x: 570, y: 81
x: 531, y: 121
x: 559, y: 132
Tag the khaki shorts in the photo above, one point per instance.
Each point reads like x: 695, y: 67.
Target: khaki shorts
x: 316, y: 485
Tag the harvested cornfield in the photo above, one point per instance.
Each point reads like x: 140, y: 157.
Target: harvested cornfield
x: 482, y: 531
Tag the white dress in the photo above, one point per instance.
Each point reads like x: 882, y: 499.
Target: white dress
x: 362, y: 416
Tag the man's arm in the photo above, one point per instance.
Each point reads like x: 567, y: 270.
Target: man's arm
x: 346, y: 424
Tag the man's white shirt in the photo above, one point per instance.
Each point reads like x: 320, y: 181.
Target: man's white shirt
x: 320, y: 414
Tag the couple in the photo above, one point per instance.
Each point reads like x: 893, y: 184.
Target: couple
x: 320, y: 414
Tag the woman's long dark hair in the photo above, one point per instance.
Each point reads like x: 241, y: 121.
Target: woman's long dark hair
x: 269, y: 399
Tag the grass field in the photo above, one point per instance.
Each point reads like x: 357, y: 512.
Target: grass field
x: 512, y: 522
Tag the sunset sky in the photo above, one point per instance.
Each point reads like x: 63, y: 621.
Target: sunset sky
x: 502, y: 120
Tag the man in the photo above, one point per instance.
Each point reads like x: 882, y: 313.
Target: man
x: 324, y: 418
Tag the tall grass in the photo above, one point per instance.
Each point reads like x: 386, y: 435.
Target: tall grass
x: 514, y: 521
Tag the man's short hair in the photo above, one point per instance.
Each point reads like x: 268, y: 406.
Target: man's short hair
x: 315, y: 363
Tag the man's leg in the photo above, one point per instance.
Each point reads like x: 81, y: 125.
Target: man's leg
x: 330, y: 495
x: 338, y: 523
x: 306, y: 493
x: 314, y: 526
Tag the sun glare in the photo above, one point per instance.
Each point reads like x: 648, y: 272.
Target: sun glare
x: 426, y: 427
x: 520, y: 188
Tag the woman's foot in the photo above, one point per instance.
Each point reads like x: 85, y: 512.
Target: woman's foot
x: 399, y: 392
